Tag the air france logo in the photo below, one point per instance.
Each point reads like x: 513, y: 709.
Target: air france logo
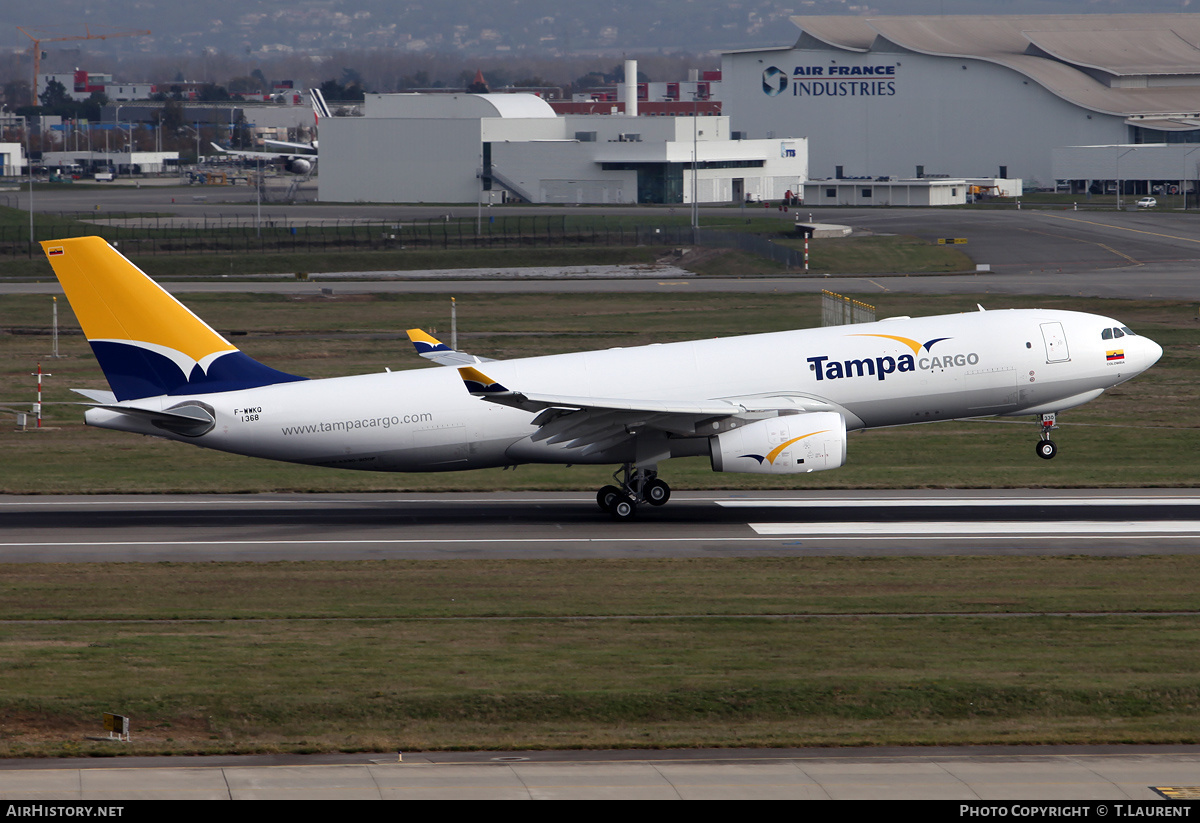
x: 826, y: 368
x: 876, y: 80
x: 774, y: 81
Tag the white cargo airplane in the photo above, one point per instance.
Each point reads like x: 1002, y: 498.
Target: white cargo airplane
x: 297, y: 158
x: 778, y: 403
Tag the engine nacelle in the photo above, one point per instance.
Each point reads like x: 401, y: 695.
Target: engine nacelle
x: 791, y: 444
x: 297, y: 165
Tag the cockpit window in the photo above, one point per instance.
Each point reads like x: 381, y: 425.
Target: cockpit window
x: 1118, y: 333
x: 1128, y: 331
x: 1106, y: 334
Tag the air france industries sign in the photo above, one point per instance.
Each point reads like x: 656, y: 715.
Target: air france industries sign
x: 831, y: 81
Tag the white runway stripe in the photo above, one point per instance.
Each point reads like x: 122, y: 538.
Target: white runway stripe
x: 983, y: 528
x: 925, y: 502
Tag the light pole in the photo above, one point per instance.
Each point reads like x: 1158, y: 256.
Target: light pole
x: 695, y: 165
x: 117, y: 122
x: 259, y: 190
x: 29, y: 166
x: 196, y: 131
x: 1119, y: 156
x: 1183, y: 181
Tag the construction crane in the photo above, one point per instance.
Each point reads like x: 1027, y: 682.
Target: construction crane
x: 38, y: 40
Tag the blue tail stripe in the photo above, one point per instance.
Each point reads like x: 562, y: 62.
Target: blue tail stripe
x: 424, y: 348
x: 135, y: 372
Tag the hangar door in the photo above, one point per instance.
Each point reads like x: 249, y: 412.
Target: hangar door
x: 581, y: 191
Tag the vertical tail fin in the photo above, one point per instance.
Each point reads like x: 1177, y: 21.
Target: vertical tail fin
x: 147, y: 342
x: 320, y: 109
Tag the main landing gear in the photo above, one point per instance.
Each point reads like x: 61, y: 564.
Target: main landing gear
x: 636, y: 486
x: 1046, y: 449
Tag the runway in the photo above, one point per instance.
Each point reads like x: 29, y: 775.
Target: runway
x: 273, y: 527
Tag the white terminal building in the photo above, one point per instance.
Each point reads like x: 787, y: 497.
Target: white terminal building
x: 978, y: 96
x: 463, y: 148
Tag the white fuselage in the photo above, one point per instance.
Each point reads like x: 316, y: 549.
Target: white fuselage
x: 888, y: 373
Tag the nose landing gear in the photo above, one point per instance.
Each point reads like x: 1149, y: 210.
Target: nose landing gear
x: 1046, y: 448
x: 636, y: 486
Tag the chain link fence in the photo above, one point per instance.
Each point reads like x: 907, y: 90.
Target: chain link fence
x: 839, y: 310
x: 223, y: 234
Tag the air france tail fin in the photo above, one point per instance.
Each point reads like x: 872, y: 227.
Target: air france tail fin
x: 147, y: 342
x: 320, y: 109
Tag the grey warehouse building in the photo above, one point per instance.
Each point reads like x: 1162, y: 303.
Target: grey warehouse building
x: 969, y: 96
x: 466, y: 148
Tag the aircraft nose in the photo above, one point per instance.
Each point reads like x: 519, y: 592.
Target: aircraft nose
x: 1153, y: 352
x: 1149, y: 353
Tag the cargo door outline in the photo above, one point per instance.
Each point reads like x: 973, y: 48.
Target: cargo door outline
x: 1056, y: 343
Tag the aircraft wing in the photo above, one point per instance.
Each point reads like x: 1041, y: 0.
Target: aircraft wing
x: 267, y: 155
x: 594, y: 424
x: 301, y: 148
x: 433, y: 349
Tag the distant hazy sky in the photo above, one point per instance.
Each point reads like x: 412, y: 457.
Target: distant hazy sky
x: 171, y: 20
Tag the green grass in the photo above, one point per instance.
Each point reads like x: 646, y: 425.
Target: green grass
x: 868, y: 255
x: 550, y: 589
x: 449, y: 654
x: 239, y: 254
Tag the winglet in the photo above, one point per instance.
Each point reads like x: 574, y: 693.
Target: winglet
x: 433, y: 349
x: 478, y: 383
x: 426, y: 344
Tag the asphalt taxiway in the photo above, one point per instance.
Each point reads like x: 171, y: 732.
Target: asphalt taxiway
x: 1138, y: 778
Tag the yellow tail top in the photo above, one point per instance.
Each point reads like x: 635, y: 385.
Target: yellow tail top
x: 147, y: 342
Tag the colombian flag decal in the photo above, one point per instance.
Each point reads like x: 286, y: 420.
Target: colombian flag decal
x: 53, y: 250
x: 1115, y: 356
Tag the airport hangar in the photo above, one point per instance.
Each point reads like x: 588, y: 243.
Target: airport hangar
x: 467, y: 148
x: 971, y: 96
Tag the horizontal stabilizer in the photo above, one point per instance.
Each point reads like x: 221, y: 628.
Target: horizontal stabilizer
x: 190, y: 419
x: 97, y: 395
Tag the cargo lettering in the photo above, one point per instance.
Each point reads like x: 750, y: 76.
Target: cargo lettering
x: 881, y: 367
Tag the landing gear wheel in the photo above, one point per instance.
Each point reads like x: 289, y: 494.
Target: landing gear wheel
x: 623, y: 507
x: 656, y: 492
x: 1046, y: 449
x: 606, y: 497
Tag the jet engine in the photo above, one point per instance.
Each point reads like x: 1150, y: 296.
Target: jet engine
x: 297, y: 165
x: 790, y: 444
